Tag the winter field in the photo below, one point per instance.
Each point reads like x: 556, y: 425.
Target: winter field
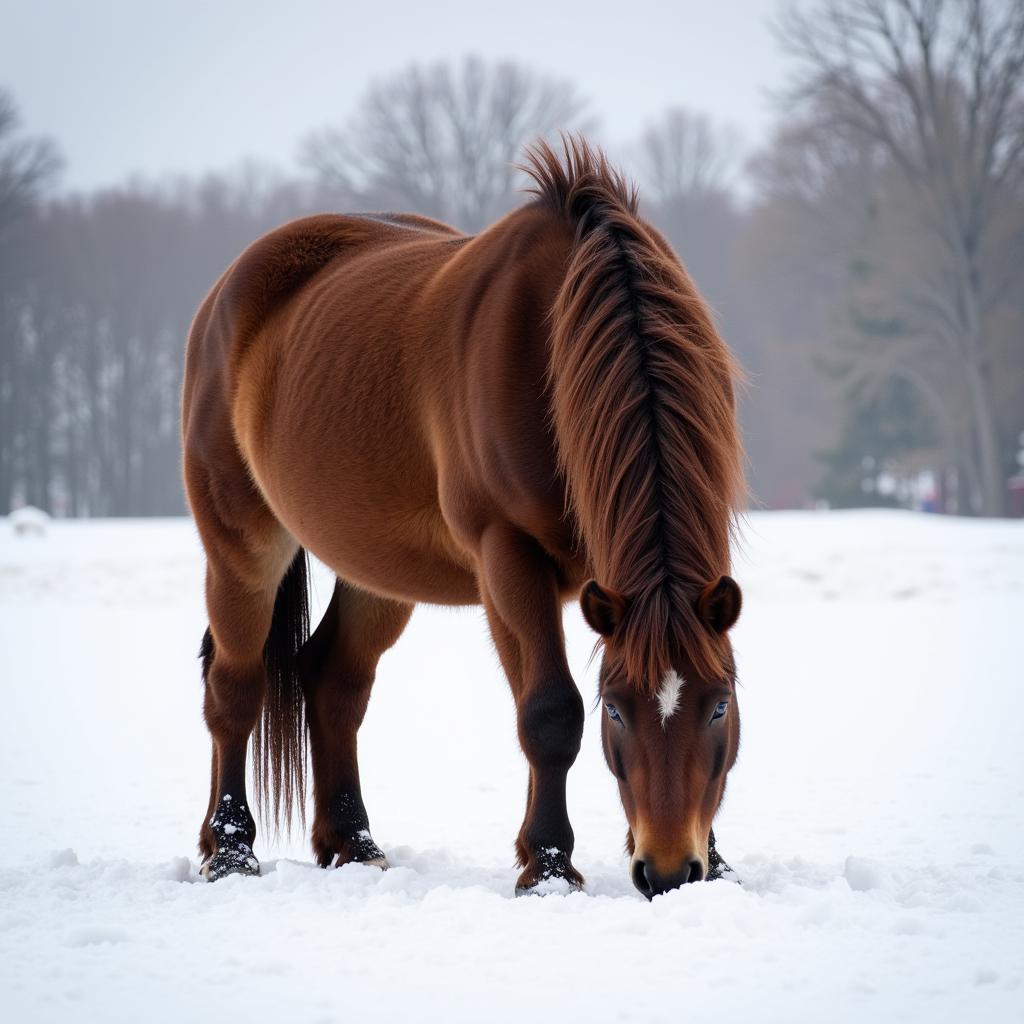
x: 875, y: 815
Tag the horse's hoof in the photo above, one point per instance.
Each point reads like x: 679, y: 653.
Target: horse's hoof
x: 236, y: 859
x: 550, y: 872
x: 373, y: 862
x: 356, y: 849
x: 724, y: 874
x: 553, y: 886
x: 717, y: 867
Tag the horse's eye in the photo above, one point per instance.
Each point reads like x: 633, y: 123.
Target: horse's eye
x: 720, y: 709
x: 613, y: 713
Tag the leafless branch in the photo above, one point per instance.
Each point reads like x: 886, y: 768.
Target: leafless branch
x: 444, y: 140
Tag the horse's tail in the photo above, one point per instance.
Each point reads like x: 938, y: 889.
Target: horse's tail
x: 643, y: 413
x: 279, y: 740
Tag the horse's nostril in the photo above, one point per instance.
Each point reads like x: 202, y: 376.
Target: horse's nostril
x: 641, y: 879
x: 651, y: 883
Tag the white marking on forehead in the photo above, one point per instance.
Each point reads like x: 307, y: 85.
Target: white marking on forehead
x: 668, y: 695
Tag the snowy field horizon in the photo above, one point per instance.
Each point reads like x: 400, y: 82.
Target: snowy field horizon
x: 874, y: 815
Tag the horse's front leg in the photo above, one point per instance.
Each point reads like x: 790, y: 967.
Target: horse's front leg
x: 520, y: 593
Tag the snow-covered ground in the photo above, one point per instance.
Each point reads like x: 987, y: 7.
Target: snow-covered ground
x: 875, y: 814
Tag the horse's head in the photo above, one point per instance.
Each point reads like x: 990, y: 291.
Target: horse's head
x: 670, y: 745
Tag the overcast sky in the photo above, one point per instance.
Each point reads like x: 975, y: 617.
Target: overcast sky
x: 130, y: 86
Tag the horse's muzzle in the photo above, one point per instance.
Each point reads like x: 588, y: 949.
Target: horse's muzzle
x: 653, y: 883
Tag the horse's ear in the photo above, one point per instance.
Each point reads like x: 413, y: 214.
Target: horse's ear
x: 603, y: 609
x: 719, y: 604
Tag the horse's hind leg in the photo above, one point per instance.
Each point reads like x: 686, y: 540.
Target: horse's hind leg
x: 248, y: 553
x: 338, y: 667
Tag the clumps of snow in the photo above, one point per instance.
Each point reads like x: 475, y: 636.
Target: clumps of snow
x: 62, y: 859
x: 181, y: 869
x: 29, y: 521
x: 95, y: 935
x: 552, y: 886
x: 863, y: 874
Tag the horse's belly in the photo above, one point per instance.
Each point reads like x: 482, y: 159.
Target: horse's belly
x: 382, y: 541
x: 376, y: 560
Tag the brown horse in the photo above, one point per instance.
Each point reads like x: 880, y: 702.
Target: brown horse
x: 539, y: 411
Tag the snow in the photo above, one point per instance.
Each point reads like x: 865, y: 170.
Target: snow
x: 29, y: 521
x: 874, y: 815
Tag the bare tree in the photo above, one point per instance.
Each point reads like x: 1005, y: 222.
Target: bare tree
x: 684, y: 155
x: 800, y: 235
x: 686, y: 167
x: 936, y: 87
x: 443, y: 141
x: 27, y: 165
x: 96, y: 294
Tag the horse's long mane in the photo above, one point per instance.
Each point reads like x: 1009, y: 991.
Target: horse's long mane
x: 644, y: 414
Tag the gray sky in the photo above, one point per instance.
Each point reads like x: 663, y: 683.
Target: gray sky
x: 130, y: 86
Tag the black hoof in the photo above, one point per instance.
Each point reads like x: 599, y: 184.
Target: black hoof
x: 342, y: 835
x: 363, y: 850
x: 717, y: 867
x: 231, y: 859
x: 370, y: 859
x: 234, y: 832
x: 542, y: 889
x: 358, y: 848
x: 550, y: 865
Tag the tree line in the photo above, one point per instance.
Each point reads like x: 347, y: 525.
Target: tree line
x: 865, y: 264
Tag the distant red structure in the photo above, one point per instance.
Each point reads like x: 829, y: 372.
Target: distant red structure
x: 1015, y: 493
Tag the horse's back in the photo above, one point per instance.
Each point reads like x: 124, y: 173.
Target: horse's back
x: 273, y: 271
x: 277, y: 265
x: 383, y: 379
